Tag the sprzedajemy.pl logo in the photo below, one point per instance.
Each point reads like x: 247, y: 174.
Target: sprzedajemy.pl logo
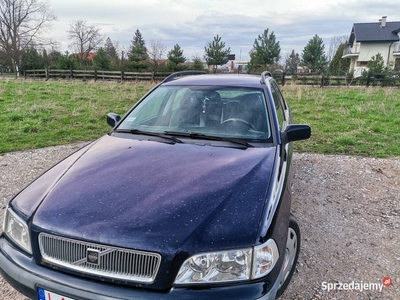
x: 356, y: 286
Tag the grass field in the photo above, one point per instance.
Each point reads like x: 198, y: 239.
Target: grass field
x: 37, y: 114
x: 354, y: 121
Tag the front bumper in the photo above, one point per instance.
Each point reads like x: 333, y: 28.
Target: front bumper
x: 25, y: 276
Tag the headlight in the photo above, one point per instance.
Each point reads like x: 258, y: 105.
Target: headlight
x: 214, y: 267
x: 231, y: 265
x: 17, y: 230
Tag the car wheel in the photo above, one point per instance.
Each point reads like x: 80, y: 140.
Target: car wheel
x: 291, y: 255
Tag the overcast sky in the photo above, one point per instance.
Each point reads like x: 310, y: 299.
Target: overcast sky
x: 193, y: 23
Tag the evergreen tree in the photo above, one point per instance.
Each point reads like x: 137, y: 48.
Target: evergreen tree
x: 5, y: 62
x: 45, y: 58
x: 175, y: 57
x: 67, y: 62
x: 292, y: 61
x: 215, y: 53
x: 138, y: 53
x: 339, y: 65
x: 197, y: 63
x: 101, y: 61
x: 111, y: 52
x: 53, y: 57
x: 377, y: 70
x: 266, y: 52
x: 32, y: 60
x: 313, y: 56
x: 377, y: 64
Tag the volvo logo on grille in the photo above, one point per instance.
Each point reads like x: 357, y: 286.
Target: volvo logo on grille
x: 93, y: 256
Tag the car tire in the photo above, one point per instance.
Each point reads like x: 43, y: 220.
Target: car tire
x: 291, y: 255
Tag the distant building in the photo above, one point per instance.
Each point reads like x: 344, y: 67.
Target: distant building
x: 369, y: 39
x: 81, y: 56
x: 233, y: 66
x: 302, y: 69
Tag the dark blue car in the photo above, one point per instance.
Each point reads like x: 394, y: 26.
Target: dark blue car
x: 187, y: 197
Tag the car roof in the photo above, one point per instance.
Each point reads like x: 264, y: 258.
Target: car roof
x: 240, y: 80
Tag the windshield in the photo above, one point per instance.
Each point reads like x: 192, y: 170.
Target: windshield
x: 226, y: 112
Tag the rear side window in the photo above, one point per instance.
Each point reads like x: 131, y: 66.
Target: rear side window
x: 279, y: 105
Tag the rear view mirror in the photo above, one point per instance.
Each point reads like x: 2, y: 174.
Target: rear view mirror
x: 113, y: 119
x: 296, y: 132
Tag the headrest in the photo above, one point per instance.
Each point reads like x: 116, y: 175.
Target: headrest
x: 213, y: 96
x: 212, y: 104
x: 190, y: 102
x: 253, y: 100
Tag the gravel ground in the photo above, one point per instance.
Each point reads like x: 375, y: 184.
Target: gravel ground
x: 348, y: 209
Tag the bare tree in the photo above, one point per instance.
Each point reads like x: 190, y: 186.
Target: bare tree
x: 156, y: 52
x: 123, y: 51
x: 22, y: 24
x: 336, y: 41
x: 85, y: 38
x: 292, y: 61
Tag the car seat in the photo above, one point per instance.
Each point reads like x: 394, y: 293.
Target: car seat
x: 188, y: 113
x: 211, y: 109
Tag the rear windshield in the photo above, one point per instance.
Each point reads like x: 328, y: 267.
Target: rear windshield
x: 229, y: 112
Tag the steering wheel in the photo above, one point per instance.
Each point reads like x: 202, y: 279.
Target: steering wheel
x: 239, y: 121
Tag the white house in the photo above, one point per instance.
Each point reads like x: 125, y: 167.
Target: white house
x: 368, y: 39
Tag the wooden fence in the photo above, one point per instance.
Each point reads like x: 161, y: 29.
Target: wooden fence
x: 95, y: 75
x: 312, y: 79
x: 322, y: 80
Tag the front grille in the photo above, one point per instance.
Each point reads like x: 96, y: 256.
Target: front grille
x: 100, y: 260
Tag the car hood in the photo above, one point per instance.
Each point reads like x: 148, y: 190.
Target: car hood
x: 160, y: 197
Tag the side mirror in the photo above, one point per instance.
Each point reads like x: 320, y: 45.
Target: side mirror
x: 113, y: 119
x: 296, y: 132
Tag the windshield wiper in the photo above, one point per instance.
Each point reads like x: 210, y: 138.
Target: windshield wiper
x: 149, y: 133
x: 196, y: 135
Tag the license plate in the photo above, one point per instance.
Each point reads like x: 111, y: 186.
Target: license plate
x: 47, y: 295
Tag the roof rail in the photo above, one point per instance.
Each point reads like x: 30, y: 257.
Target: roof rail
x: 182, y: 73
x: 264, y: 75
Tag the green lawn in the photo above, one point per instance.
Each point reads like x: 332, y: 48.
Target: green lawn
x: 354, y: 121
x: 37, y: 114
